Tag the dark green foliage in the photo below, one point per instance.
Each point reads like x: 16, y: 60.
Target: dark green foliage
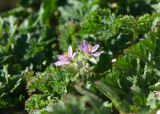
x: 27, y: 42
x: 11, y: 87
x: 135, y: 73
x: 133, y: 7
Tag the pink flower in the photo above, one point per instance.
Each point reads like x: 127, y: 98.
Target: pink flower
x: 91, y: 50
x: 65, y: 58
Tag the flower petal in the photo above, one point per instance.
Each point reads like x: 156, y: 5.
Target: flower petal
x: 85, y: 46
x: 94, y: 48
x: 96, y: 54
x: 60, y: 57
x: 70, y: 52
x: 60, y: 63
x: 85, y: 43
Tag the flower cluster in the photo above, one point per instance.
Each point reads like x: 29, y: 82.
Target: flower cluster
x: 86, y: 48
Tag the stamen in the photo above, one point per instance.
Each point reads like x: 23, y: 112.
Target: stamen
x: 65, y: 55
x: 89, y: 48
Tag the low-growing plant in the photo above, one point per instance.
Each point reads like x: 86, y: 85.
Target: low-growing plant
x: 111, y: 64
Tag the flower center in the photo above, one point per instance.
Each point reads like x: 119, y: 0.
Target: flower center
x: 89, y: 48
x: 65, y: 55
